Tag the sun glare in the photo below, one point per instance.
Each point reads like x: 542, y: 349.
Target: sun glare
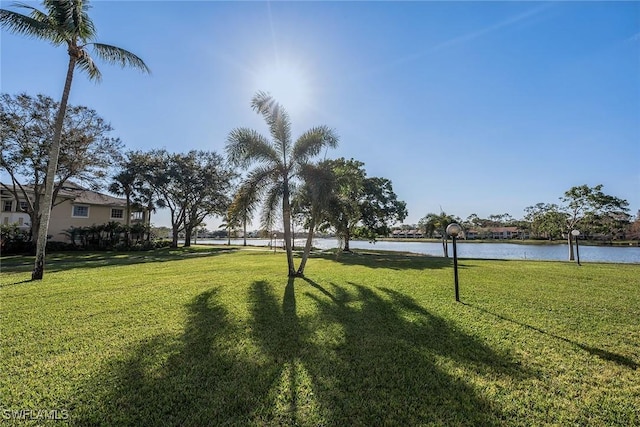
x: 288, y: 83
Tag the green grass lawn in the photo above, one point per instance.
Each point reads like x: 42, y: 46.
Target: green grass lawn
x: 212, y: 336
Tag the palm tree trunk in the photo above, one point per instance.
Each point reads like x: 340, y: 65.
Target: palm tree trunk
x: 307, y: 247
x: 149, y: 223
x: 52, y: 167
x: 286, y: 219
x: 128, y: 221
x: 244, y: 231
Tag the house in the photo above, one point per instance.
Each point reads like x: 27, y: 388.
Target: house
x: 75, y: 206
x: 406, y: 234
x: 470, y: 234
x: 508, y: 233
x: 12, y: 212
x: 416, y: 234
x: 498, y: 233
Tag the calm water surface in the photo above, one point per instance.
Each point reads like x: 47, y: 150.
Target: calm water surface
x: 473, y: 250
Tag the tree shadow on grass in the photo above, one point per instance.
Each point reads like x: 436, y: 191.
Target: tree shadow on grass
x: 64, y: 261
x: 388, y: 260
x: 602, y: 354
x: 363, y: 358
x: 196, y: 379
x: 308, y: 355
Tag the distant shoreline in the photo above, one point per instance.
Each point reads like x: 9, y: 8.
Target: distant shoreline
x: 617, y: 243
x: 620, y: 243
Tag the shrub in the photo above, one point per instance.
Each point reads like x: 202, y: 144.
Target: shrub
x: 13, y: 240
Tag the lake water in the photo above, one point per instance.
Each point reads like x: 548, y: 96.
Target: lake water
x: 554, y: 252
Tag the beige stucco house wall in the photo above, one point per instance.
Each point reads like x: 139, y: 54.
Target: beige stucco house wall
x: 75, y: 207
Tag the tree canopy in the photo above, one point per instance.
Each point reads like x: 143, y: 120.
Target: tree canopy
x: 592, y: 211
x: 87, y: 151
x: 361, y: 206
x: 192, y: 186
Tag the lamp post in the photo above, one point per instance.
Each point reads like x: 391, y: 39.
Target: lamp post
x: 453, y: 230
x: 575, y: 234
x: 274, y: 242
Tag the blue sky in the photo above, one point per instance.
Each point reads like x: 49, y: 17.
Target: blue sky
x: 468, y: 107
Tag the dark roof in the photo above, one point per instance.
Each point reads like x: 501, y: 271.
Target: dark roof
x: 84, y: 196
x: 77, y: 194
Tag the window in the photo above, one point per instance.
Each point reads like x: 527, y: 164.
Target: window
x: 80, y: 211
x: 137, y: 216
x: 23, y: 205
x: 117, y: 213
x: 7, y: 205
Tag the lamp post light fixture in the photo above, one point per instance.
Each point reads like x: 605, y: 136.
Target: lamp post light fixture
x: 575, y: 234
x: 453, y: 230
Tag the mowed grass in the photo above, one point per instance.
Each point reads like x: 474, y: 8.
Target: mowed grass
x: 221, y: 337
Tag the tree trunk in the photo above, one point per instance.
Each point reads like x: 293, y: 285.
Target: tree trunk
x: 347, y: 237
x: 52, y: 167
x: 127, y: 229
x: 307, y: 247
x: 293, y: 236
x: 35, y: 226
x: 187, y: 236
x: 244, y: 231
x: 174, y: 237
x: 286, y: 222
x: 570, y: 242
x: 149, y: 223
x: 445, y: 247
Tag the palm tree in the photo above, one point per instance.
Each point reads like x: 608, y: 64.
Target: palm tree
x: 123, y: 185
x: 64, y: 22
x: 278, y: 161
x: 230, y: 223
x: 243, y: 207
x: 313, y: 200
x: 438, y: 222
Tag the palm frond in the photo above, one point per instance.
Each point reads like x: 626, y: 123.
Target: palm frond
x: 81, y: 21
x: 319, y: 181
x: 247, y: 198
x: 71, y: 19
x: 119, y: 56
x: 270, y: 206
x: 86, y: 64
x: 310, y: 143
x: 29, y: 26
x: 276, y: 117
x: 245, y: 146
x: 260, y: 178
x: 245, y: 201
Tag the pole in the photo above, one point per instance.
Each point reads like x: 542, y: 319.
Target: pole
x: 577, y: 251
x: 455, y: 268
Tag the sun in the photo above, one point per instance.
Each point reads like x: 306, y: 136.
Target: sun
x: 288, y: 83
